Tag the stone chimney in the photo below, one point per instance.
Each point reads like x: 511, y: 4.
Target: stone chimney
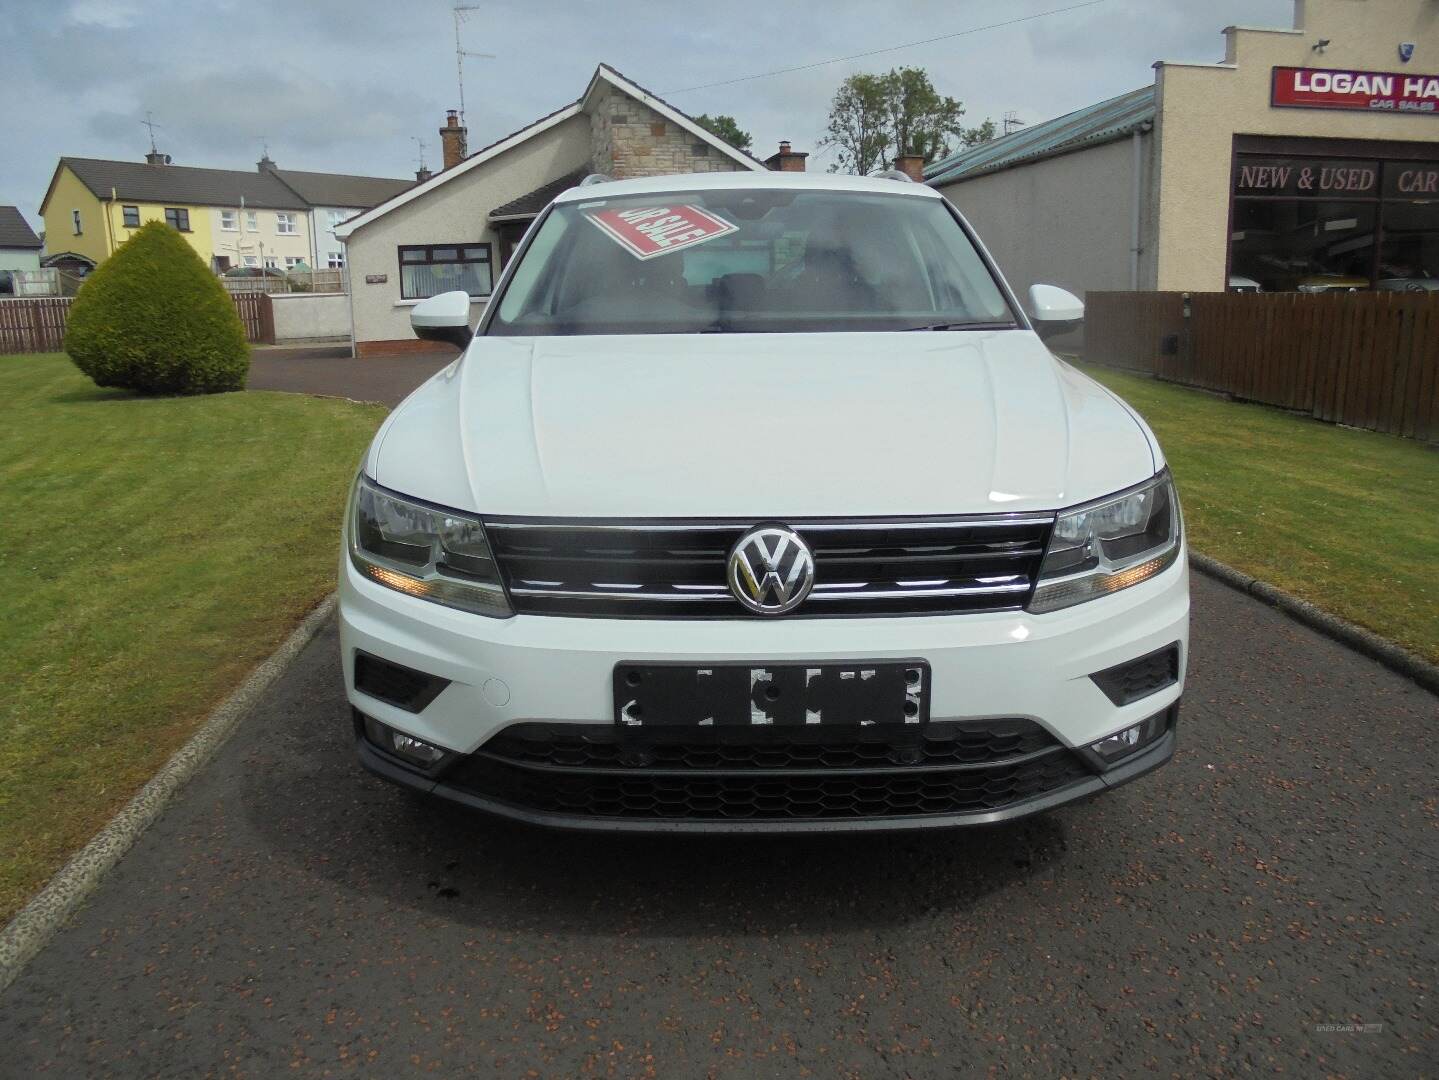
x: 912, y: 165
x: 422, y: 174
x: 265, y: 164
x: 786, y: 160
x: 154, y: 157
x: 452, y: 138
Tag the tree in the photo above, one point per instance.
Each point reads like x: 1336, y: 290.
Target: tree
x: 976, y: 135
x: 875, y: 118
x: 857, y: 126
x: 152, y: 318
x: 727, y: 128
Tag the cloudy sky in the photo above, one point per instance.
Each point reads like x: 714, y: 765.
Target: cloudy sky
x: 346, y: 85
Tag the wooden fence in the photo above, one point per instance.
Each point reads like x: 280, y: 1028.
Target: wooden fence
x: 1366, y: 359
x: 258, y: 316
x: 292, y: 281
x: 35, y: 325
x: 38, y: 325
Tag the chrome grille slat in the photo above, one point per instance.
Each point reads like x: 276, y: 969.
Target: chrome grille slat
x: 677, y: 569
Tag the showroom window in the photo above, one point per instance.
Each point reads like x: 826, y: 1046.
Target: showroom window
x: 1326, y: 224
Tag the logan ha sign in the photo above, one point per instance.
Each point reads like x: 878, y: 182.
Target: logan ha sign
x: 1371, y: 91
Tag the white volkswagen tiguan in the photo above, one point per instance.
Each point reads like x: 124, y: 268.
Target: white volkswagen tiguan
x: 757, y: 503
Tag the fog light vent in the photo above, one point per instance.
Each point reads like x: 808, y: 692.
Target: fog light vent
x: 1132, y: 739
x: 1135, y: 679
x: 395, y: 685
x: 416, y: 751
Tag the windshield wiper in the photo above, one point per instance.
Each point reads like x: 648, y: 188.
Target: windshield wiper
x: 964, y: 326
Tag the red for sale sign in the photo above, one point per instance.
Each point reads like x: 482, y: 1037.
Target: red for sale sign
x: 647, y: 231
x: 1380, y: 91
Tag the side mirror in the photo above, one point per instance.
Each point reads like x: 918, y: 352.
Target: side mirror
x: 443, y: 318
x: 1054, y: 311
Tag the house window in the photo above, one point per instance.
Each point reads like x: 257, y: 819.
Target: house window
x: 131, y: 216
x: 271, y: 263
x: 285, y: 224
x: 437, y: 268
x: 177, y: 218
x: 230, y: 220
x: 337, y: 217
x: 252, y: 221
x: 75, y: 221
x: 252, y: 260
x: 292, y: 261
x: 336, y: 260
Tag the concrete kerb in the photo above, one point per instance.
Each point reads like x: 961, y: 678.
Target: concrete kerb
x: 1362, y: 641
x: 37, y: 922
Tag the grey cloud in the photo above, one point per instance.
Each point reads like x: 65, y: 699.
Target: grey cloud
x: 345, y: 84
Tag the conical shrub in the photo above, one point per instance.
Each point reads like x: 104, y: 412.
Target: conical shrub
x: 152, y: 318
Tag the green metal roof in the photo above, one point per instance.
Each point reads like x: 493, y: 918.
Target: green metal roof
x: 1090, y: 126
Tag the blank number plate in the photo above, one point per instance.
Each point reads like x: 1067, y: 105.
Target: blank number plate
x: 892, y: 693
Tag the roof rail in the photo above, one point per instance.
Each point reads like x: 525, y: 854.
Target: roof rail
x: 596, y: 178
x: 894, y: 174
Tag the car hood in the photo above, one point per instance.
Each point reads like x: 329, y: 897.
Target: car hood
x: 761, y: 426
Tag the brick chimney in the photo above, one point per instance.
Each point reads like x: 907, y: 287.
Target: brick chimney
x: 786, y: 160
x: 265, y: 164
x: 422, y: 174
x: 912, y: 165
x: 452, y: 138
x: 154, y: 157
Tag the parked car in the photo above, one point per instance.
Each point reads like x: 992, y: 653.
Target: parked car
x: 1317, y: 283
x: 1409, y: 284
x: 254, y: 272
x: 683, y: 543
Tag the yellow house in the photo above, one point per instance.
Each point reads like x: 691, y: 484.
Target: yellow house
x: 230, y: 217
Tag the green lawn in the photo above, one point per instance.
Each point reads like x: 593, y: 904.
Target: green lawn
x: 1348, y: 520
x: 153, y: 552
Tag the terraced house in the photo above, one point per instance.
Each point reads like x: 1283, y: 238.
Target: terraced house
x: 270, y: 217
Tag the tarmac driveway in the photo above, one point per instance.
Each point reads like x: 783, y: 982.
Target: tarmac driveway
x: 1266, y: 903
x: 331, y: 372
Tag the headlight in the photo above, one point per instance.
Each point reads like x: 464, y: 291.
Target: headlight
x: 1109, y: 545
x: 435, y: 554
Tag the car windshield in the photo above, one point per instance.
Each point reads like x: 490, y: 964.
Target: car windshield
x: 748, y: 261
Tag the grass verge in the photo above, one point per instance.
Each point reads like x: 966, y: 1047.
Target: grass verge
x: 154, y: 551
x: 1346, y: 519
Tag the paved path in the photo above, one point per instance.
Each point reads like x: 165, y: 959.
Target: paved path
x: 387, y: 379
x: 292, y: 916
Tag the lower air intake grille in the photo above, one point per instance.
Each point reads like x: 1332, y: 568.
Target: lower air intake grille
x: 742, y: 775
x: 1139, y: 678
x: 655, y: 569
x: 399, y: 686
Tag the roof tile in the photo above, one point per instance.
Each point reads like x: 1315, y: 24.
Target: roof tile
x: 15, y: 231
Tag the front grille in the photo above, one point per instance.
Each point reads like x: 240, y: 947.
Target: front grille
x: 740, y: 774
x: 677, y: 569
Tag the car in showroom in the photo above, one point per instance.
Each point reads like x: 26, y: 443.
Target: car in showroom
x: 758, y: 503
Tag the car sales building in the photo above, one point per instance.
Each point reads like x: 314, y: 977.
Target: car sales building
x: 1308, y: 159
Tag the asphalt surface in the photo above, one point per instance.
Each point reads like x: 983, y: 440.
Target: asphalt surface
x: 332, y: 372
x: 1266, y: 903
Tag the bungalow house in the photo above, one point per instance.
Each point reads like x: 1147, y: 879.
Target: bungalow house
x: 459, y: 228
x: 19, y: 246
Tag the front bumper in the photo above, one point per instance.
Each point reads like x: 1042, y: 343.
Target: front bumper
x: 1034, y: 670
x: 454, y: 785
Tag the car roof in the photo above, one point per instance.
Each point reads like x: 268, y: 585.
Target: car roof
x: 730, y: 181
